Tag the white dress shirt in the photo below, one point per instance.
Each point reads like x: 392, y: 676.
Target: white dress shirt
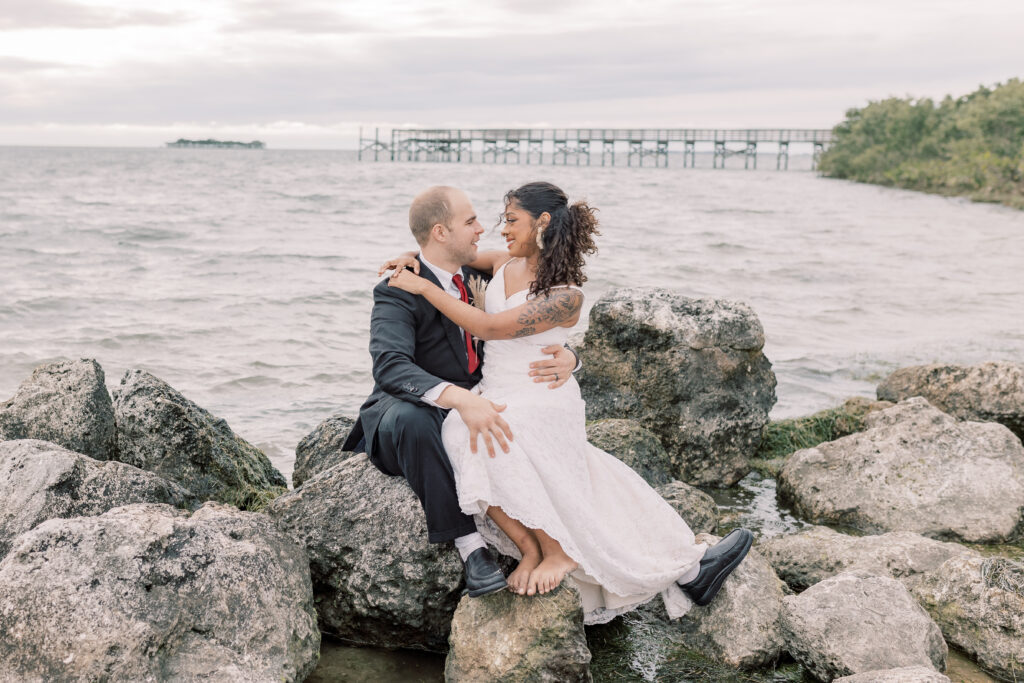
x: 448, y: 285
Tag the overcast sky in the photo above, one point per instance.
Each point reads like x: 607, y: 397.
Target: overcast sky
x: 307, y: 73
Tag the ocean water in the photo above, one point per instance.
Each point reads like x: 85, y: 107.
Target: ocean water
x: 243, y: 278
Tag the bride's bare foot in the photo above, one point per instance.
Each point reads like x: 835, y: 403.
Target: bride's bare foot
x: 549, y: 573
x: 517, y: 580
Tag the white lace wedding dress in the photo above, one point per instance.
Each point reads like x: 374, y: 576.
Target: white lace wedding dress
x: 629, y: 543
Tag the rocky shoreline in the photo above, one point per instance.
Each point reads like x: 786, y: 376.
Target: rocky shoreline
x: 142, y: 539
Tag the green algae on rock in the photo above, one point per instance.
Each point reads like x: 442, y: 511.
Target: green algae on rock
x: 782, y: 437
x: 160, y: 430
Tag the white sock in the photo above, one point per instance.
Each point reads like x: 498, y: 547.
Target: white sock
x: 690, y: 575
x: 468, y: 543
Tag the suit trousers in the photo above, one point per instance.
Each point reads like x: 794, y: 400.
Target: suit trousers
x: 408, y: 443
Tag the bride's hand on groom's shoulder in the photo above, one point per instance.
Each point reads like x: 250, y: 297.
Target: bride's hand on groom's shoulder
x: 406, y: 260
x: 407, y: 281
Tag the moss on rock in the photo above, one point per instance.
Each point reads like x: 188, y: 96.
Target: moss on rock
x: 783, y: 437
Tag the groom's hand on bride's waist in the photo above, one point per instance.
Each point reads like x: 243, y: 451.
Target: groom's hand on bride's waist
x: 481, y: 416
x: 558, y: 369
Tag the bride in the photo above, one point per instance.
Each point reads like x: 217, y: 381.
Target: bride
x: 551, y: 499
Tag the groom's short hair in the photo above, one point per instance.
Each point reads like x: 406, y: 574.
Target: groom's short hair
x: 432, y: 206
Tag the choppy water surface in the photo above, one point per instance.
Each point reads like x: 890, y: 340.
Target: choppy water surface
x: 243, y: 277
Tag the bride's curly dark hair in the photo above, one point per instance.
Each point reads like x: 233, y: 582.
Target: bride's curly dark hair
x: 565, y: 240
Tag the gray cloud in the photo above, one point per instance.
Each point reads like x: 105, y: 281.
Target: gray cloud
x: 420, y: 74
x: 11, y: 65
x: 309, y: 18
x: 423, y: 77
x: 538, y: 10
x: 33, y: 14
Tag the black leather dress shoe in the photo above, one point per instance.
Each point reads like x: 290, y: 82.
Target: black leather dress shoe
x: 483, y: 575
x: 718, y: 562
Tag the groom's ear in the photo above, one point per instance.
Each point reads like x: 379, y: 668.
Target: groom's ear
x: 439, y: 232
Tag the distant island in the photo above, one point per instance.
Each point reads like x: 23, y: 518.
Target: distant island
x: 971, y: 146
x: 219, y: 144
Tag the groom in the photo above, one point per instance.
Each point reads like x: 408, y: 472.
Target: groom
x: 424, y: 366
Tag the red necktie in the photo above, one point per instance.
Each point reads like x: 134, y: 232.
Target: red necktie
x: 470, y: 351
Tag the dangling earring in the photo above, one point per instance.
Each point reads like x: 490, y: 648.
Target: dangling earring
x: 540, y: 237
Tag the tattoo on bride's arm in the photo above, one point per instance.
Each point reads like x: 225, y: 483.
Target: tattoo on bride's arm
x: 555, y: 309
x: 524, y: 332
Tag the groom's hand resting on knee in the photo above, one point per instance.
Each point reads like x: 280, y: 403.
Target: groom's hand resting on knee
x: 481, y: 417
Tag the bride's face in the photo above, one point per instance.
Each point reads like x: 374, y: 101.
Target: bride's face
x: 520, y: 231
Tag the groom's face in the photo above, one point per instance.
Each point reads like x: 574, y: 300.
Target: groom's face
x: 464, y: 230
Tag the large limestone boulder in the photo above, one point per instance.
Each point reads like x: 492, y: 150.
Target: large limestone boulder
x: 162, y: 431
x: 697, y: 508
x: 145, y: 592
x: 915, y: 468
x: 855, y: 622
x: 65, y: 403
x: 690, y: 370
x: 979, y: 605
x: 321, y: 448
x: 741, y: 627
x: 376, y: 578
x: 634, y: 445
x: 989, y: 392
x: 903, y: 674
x: 41, y: 481
x: 812, y: 555
x: 508, y: 637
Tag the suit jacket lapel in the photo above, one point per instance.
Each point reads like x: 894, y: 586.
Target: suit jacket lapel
x: 451, y: 330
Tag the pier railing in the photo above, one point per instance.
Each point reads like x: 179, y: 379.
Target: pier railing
x: 582, y: 146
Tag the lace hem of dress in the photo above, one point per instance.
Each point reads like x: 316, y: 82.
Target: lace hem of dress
x: 676, y: 602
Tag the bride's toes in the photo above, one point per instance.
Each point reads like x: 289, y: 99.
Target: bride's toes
x: 517, y: 582
x: 552, y: 572
x: 512, y: 581
x: 537, y: 581
x: 519, y: 579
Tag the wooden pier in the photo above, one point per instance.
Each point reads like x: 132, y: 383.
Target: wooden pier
x: 584, y: 146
